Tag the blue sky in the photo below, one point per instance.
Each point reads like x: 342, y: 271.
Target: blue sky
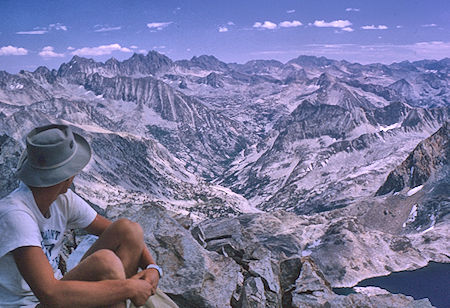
x: 36, y: 32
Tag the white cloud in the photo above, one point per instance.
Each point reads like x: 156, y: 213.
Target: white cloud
x: 57, y: 27
x: 44, y: 30
x: 230, y: 23
x: 429, y: 25
x: 290, y: 11
x: 48, y: 52
x: 266, y: 25
x: 107, y: 29
x: 348, y: 29
x: 143, y: 51
x: 70, y: 48
x: 13, y: 51
x: 100, y: 50
x: 134, y: 47
x: 351, y: 9
x: 333, y: 24
x: 159, y: 25
x: 34, y: 32
x: 373, y: 27
x: 223, y: 29
x: 290, y: 24
x: 399, y: 26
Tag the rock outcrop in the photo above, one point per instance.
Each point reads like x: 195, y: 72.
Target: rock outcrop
x: 195, y: 277
x: 429, y: 156
x: 313, y: 291
x: 253, y: 260
x: 10, y: 151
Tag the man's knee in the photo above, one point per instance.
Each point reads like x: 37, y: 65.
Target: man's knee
x: 128, y: 230
x: 107, y: 265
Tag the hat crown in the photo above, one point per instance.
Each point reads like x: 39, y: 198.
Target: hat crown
x: 50, y: 146
x: 48, y: 137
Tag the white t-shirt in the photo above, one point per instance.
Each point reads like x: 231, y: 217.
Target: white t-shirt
x: 22, y: 224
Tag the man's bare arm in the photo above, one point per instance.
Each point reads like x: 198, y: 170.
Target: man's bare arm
x: 37, y: 272
x: 99, y: 225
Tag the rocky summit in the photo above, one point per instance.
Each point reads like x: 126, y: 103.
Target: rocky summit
x: 263, y: 184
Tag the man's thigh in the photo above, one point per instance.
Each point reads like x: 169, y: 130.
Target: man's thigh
x: 102, y: 264
x: 125, y: 238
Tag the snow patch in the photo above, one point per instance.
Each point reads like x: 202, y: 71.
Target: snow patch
x: 433, y: 222
x: 315, y: 244
x: 414, y: 190
x: 306, y: 253
x: 412, y: 216
x: 390, y: 127
x: 17, y: 86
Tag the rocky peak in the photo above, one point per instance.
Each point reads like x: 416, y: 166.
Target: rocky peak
x: 213, y: 79
x: 81, y: 61
x: 291, y: 74
x: 112, y: 62
x: 78, y: 65
x: 427, y: 158
x: 155, y: 56
x: 312, y: 61
x: 312, y: 121
x: 151, y: 64
x: 391, y: 114
x: 405, y: 65
x: 325, y: 80
x: 433, y: 64
x: 378, y: 68
x: 400, y: 85
x: 4, y: 74
x: 259, y: 66
x: 42, y: 70
x: 210, y: 63
x: 43, y: 73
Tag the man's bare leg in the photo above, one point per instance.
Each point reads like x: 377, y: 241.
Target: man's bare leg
x: 100, y: 265
x: 115, y: 255
x: 126, y: 239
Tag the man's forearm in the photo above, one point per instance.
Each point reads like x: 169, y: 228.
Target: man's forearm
x: 146, y: 258
x: 87, y: 293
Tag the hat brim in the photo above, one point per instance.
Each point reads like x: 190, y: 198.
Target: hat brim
x: 48, y: 177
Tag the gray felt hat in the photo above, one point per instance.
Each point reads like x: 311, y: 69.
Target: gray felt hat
x: 53, y: 154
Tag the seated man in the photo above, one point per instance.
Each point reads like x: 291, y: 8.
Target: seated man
x: 33, y: 219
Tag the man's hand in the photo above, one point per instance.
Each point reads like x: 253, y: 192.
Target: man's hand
x: 150, y: 275
x: 143, y: 290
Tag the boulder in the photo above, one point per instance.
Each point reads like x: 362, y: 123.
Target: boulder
x: 194, y: 277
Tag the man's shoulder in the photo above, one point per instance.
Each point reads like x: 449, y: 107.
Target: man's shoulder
x: 15, y: 201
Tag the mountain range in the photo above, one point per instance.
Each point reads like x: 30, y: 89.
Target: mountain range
x: 343, y: 153
x: 299, y: 136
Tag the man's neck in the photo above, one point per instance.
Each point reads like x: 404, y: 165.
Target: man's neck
x: 44, y: 197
